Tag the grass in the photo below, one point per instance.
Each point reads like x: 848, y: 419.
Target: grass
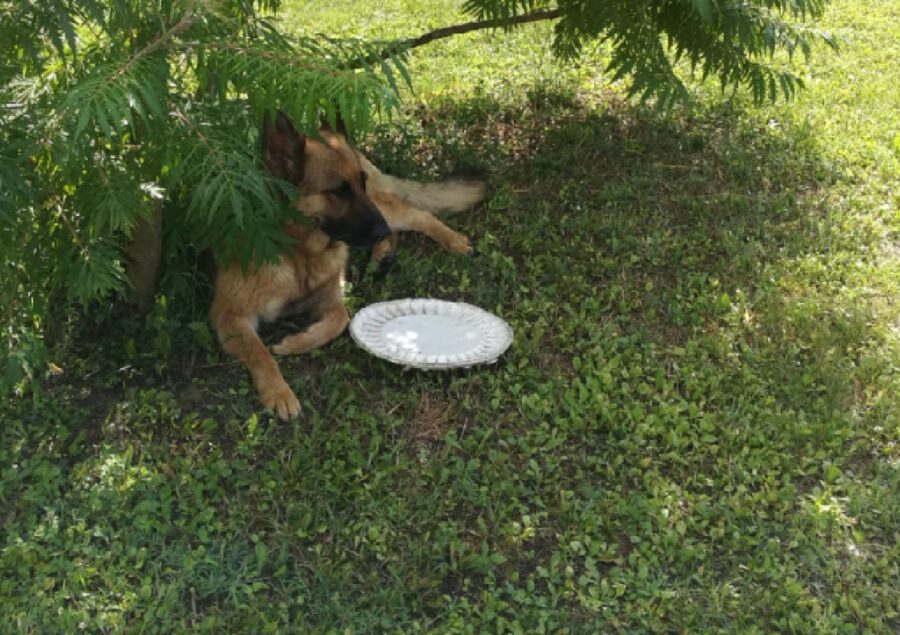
x: 696, y: 429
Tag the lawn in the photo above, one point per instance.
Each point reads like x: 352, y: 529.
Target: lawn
x: 696, y: 429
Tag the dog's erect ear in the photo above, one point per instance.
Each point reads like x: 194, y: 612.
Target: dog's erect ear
x: 283, y: 130
x: 339, y: 126
x: 284, y: 125
x: 283, y: 147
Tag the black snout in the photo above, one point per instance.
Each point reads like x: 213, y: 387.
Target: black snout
x: 359, y: 230
x: 375, y: 231
x: 380, y: 230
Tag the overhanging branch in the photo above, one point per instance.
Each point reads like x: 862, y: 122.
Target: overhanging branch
x: 448, y: 31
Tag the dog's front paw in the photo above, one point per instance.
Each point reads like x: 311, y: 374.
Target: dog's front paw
x: 282, y: 401
x: 294, y: 344
x: 384, y: 266
x: 458, y: 244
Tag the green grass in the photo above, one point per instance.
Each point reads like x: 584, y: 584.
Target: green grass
x: 696, y: 428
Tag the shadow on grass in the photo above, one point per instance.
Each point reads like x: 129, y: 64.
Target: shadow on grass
x: 716, y: 226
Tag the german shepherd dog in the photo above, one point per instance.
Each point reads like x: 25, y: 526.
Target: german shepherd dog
x: 348, y: 203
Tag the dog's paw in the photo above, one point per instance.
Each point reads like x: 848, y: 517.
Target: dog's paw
x: 383, y: 267
x: 458, y: 244
x: 294, y: 344
x: 282, y: 401
x: 280, y: 349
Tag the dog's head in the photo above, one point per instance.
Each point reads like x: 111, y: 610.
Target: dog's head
x: 331, y: 185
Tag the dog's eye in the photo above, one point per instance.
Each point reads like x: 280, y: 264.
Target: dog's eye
x: 344, y: 190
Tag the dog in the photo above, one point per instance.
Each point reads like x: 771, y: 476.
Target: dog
x: 348, y: 202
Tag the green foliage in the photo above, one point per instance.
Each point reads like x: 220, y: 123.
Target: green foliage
x: 739, y: 43
x: 110, y: 110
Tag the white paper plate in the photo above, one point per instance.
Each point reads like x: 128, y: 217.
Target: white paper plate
x: 431, y: 334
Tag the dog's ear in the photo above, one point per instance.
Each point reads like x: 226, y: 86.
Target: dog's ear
x: 283, y: 147
x: 340, y: 127
x: 284, y: 125
x: 281, y: 132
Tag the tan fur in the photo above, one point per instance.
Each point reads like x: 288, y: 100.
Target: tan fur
x: 410, y: 206
x: 331, y: 188
x: 447, y: 196
x: 386, y: 247
x: 313, y: 275
x: 401, y: 216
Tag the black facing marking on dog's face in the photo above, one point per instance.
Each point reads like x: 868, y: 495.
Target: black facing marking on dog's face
x: 351, y: 216
x: 360, y: 231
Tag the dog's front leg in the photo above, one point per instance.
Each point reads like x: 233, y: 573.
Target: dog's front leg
x: 384, y: 255
x: 426, y: 223
x: 383, y: 252
x: 330, y: 325
x: 240, y: 339
x: 401, y: 216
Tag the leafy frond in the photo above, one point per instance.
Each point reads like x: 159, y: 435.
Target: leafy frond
x: 304, y: 85
x: 502, y: 9
x: 112, y: 191
x: 736, y: 41
x: 95, y: 270
x: 40, y: 30
x: 231, y: 204
x: 14, y: 190
x: 115, y: 96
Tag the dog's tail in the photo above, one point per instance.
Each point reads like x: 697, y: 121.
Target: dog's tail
x: 452, y: 195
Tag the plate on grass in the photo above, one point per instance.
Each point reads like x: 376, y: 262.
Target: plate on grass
x: 431, y: 334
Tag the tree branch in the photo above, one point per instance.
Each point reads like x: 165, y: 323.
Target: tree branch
x: 448, y: 31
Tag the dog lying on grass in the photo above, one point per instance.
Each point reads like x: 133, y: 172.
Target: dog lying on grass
x: 349, y: 203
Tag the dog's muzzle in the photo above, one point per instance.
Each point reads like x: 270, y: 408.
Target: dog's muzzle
x: 358, y: 232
